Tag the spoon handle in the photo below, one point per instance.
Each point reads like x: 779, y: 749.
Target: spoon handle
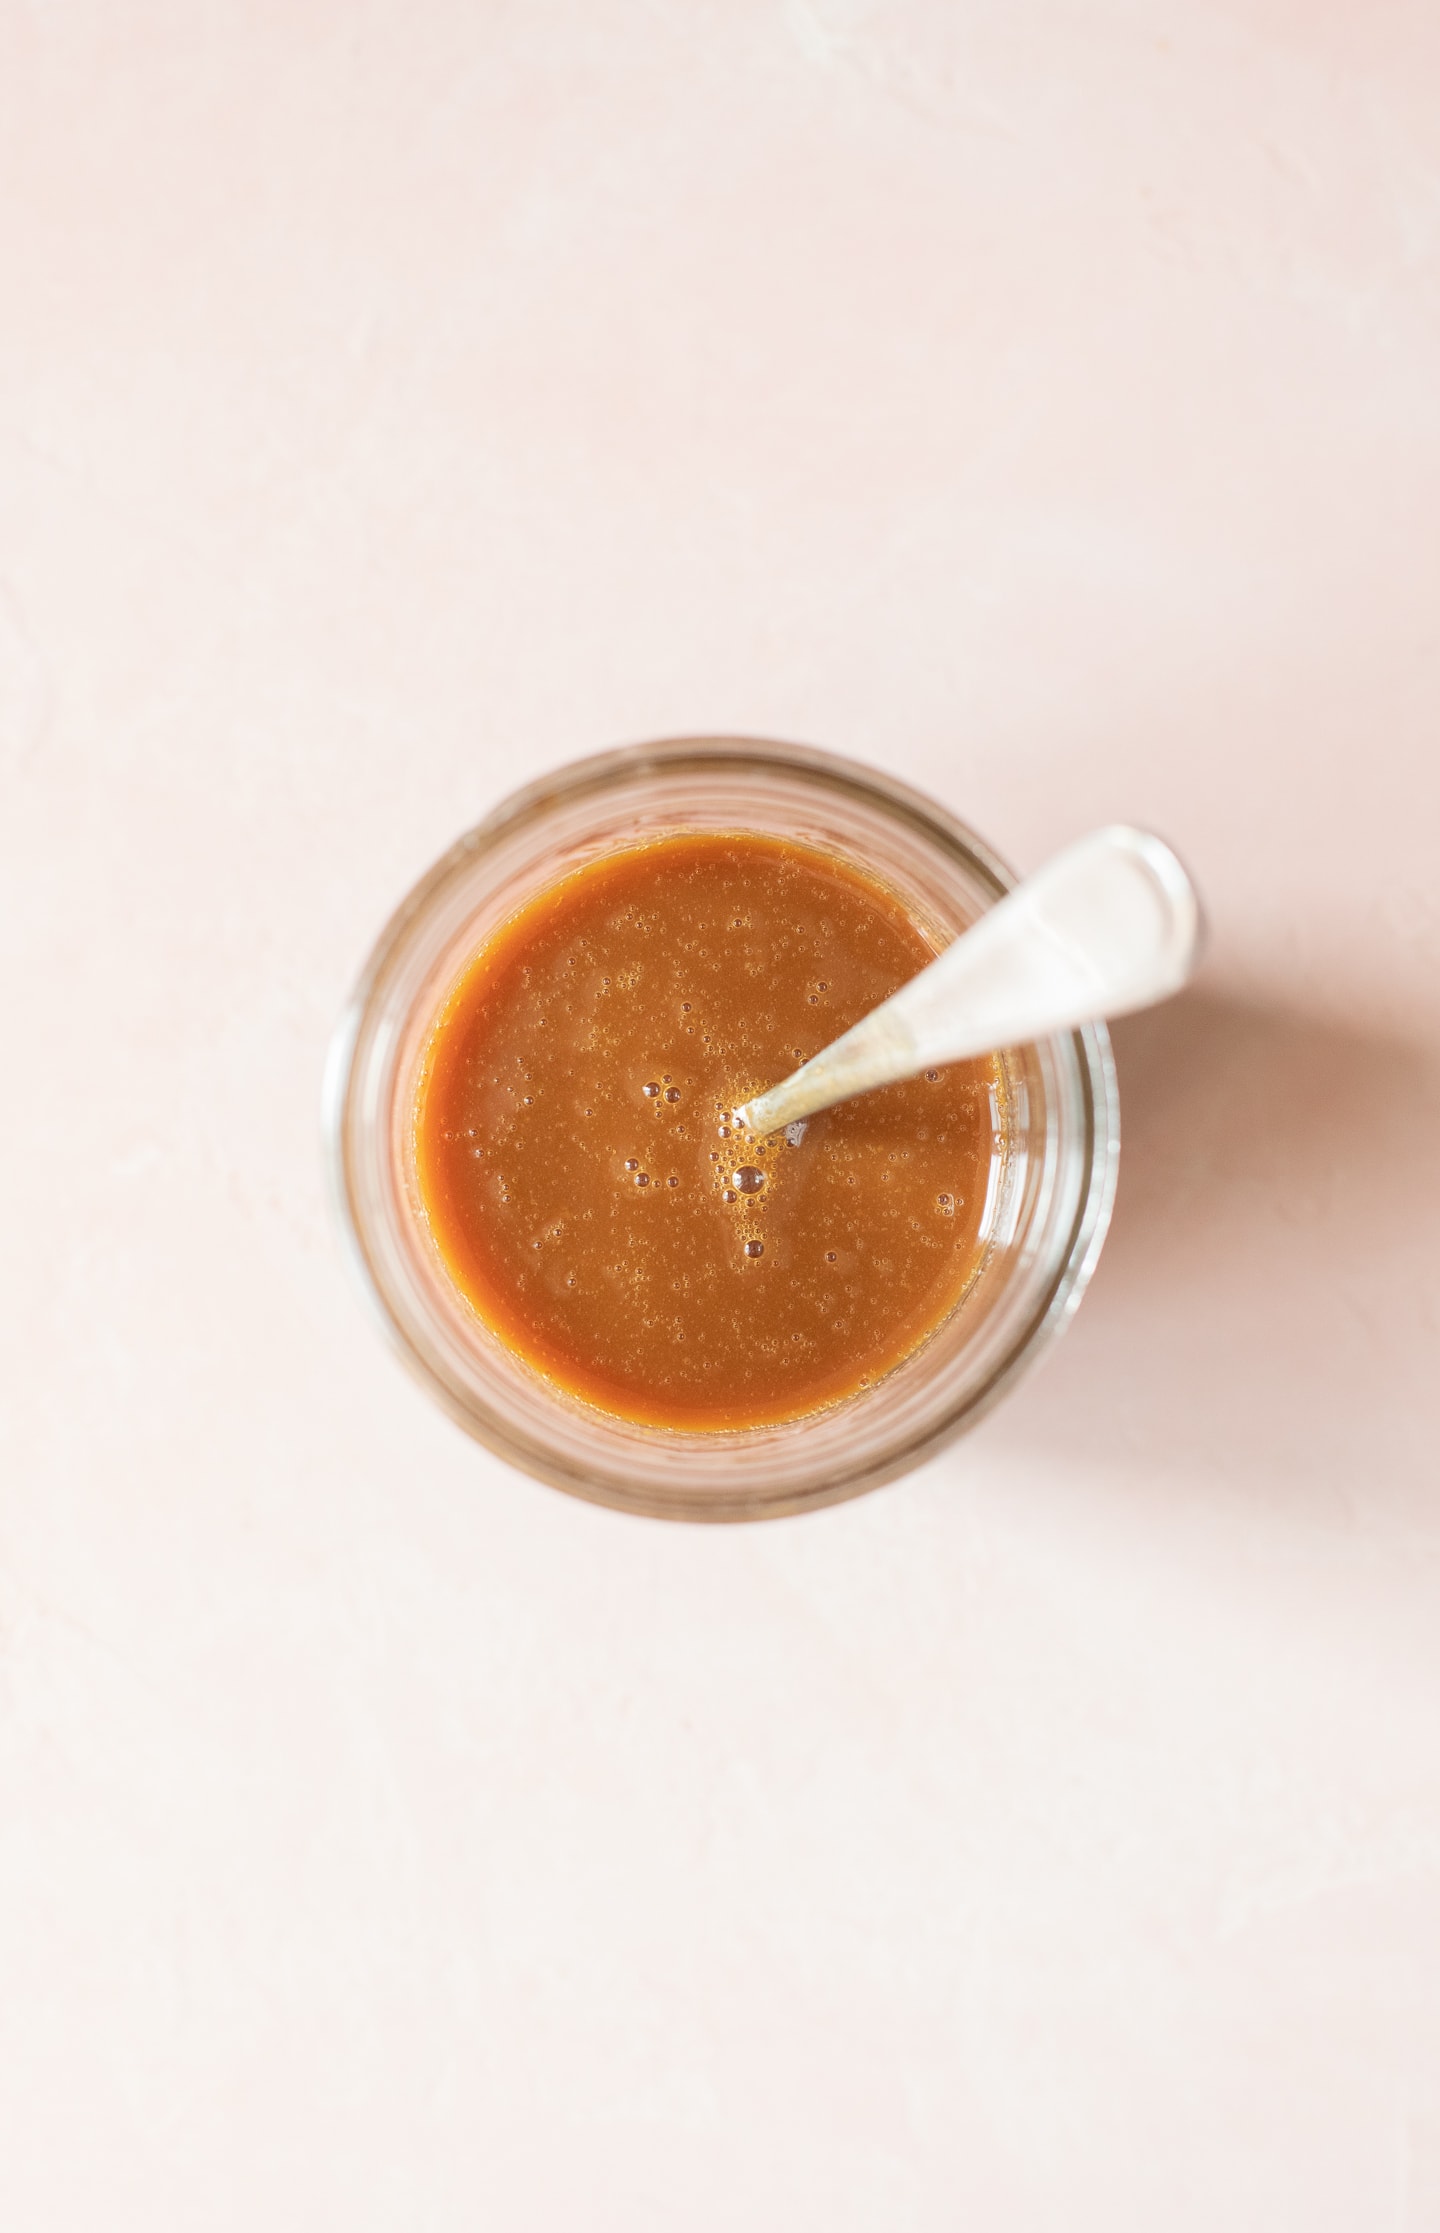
x: 1110, y: 924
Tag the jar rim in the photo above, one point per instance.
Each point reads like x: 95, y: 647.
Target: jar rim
x: 366, y: 1034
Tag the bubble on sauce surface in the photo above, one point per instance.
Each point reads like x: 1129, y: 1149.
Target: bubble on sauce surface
x: 650, y: 1091
x: 748, y: 1179
x: 672, y: 1093
x: 632, y: 1162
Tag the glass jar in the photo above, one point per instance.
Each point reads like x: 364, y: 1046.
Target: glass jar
x: 1052, y: 1175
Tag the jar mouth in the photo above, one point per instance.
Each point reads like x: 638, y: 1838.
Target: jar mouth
x: 1049, y: 1225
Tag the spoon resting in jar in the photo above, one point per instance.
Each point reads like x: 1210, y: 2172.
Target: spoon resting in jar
x: 1109, y: 925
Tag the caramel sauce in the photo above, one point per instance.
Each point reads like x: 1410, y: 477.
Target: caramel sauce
x: 589, y: 1192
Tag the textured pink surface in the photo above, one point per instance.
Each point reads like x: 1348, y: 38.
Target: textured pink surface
x: 1044, y: 400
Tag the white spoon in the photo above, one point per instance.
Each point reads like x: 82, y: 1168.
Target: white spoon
x: 1110, y: 924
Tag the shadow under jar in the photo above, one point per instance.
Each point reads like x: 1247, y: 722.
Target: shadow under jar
x: 1052, y: 1160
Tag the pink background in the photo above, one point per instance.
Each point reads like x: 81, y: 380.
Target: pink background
x: 1041, y: 398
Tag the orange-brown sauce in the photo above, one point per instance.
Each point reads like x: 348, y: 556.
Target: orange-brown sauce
x: 589, y: 1192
